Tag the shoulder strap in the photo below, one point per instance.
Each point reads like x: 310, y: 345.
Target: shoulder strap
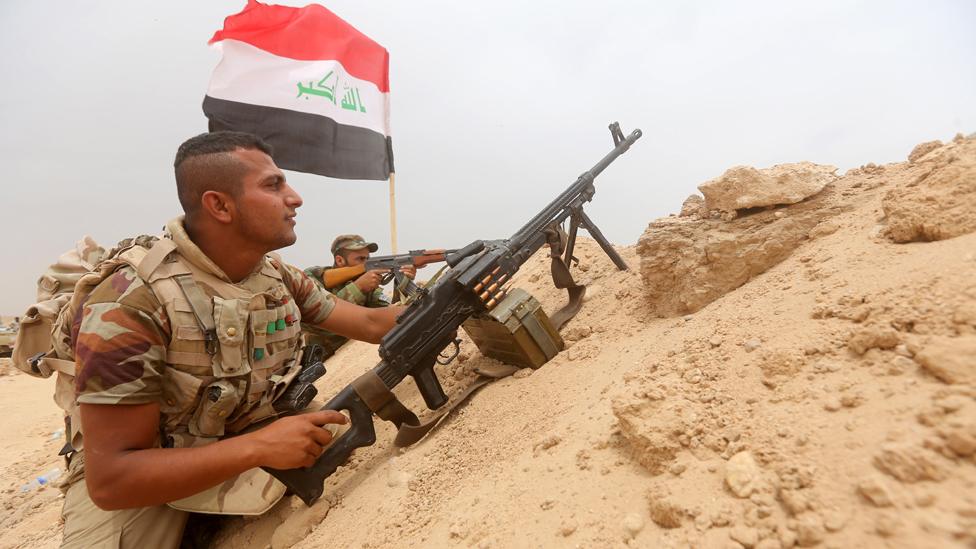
x: 154, y: 257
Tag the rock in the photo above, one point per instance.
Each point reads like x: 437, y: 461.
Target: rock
x: 745, y: 535
x: 923, y: 149
x: 576, y: 333
x: 951, y: 359
x: 677, y: 468
x: 742, y: 475
x: 795, y: 501
x: 663, y: 512
x: 650, y: 429
x: 873, y: 337
x: 887, y: 525
x: 876, y: 491
x: 567, y: 528
x: 902, y: 350
x: 832, y: 403
x: 633, y: 524
x: 908, y: 463
x: 835, y: 520
x: 781, y: 364
x: 962, y: 440
x: 787, y: 538
x: 900, y: 365
x: 942, y: 204
x: 686, y: 263
x: 523, y: 373
x: 826, y: 228
x: 694, y: 205
x: 745, y: 187
x: 809, y: 529
x: 769, y: 543
x: 751, y: 345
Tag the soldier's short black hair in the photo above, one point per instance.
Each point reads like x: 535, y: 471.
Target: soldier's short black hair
x: 202, y: 164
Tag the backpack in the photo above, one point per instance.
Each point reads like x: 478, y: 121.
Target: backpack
x: 35, y: 349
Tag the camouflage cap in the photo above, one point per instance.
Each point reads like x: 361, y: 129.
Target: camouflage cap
x: 352, y: 242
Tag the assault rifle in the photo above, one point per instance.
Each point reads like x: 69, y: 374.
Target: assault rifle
x: 418, y: 258
x: 428, y: 326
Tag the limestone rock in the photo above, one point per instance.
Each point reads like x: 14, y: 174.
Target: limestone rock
x: 744, y: 187
x: 909, y: 463
x: 942, y: 204
x: 651, y: 429
x: 809, y: 529
x: 871, y: 338
x: 688, y: 262
x: 951, y: 359
x: 663, y: 511
x: 742, y: 475
x: 694, y: 205
x: 875, y: 490
x: 745, y: 535
x: 923, y: 149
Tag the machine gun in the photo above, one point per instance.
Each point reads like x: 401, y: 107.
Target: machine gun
x: 428, y: 326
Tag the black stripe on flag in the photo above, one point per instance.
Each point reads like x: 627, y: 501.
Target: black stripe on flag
x: 305, y: 142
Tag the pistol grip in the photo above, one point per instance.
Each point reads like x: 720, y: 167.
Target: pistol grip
x: 308, y: 483
x: 430, y: 386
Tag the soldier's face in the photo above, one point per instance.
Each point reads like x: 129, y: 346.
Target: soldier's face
x: 351, y: 258
x: 266, y: 206
x: 357, y: 257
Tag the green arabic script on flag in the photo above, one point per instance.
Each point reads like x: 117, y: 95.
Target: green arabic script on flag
x: 351, y: 100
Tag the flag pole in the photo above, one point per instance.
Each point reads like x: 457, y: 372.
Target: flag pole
x: 393, y: 229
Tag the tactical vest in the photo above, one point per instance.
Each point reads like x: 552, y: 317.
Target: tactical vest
x: 234, y: 348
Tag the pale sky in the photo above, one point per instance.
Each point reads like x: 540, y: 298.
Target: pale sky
x: 496, y: 108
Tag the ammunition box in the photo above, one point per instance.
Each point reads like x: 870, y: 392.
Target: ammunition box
x: 517, y: 332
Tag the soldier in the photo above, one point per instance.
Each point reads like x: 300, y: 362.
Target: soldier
x: 193, y: 338
x: 350, y: 250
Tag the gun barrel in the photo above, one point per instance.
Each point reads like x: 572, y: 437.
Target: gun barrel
x: 560, y: 205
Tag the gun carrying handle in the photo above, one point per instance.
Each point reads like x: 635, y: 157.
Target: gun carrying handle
x: 308, y: 483
x: 452, y: 259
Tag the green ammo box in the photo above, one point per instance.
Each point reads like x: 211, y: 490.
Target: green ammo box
x: 517, y: 332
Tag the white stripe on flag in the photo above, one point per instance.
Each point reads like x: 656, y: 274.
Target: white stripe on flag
x: 247, y: 74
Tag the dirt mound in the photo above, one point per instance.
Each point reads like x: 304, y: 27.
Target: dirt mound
x: 818, y: 391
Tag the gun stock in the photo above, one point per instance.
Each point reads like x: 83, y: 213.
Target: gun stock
x: 340, y: 275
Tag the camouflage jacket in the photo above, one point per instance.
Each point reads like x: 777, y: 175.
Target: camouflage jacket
x: 135, y: 346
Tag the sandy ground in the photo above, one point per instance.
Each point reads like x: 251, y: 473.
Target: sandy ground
x: 828, y: 401
x: 32, y: 434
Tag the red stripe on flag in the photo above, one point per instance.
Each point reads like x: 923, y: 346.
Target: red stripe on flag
x: 310, y: 33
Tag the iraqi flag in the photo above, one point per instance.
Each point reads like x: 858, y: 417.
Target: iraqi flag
x: 309, y: 84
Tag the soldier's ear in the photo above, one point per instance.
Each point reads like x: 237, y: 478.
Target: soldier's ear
x: 218, y: 205
x: 338, y: 260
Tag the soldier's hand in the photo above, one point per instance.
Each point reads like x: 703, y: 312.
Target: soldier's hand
x: 295, y: 441
x: 370, y: 280
x: 409, y: 271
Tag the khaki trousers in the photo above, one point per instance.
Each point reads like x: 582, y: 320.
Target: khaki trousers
x: 87, y: 526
